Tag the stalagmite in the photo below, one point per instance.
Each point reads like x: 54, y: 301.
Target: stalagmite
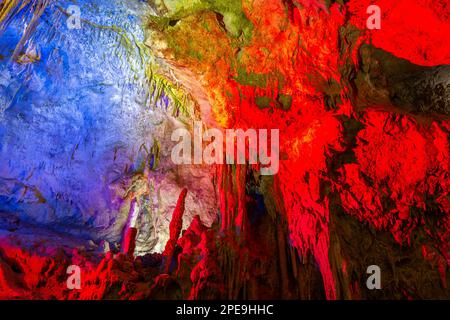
x: 176, y: 224
x: 129, y: 243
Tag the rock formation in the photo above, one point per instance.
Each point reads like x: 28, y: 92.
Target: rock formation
x: 364, y: 154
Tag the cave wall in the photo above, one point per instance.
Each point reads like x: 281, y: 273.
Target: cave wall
x: 83, y: 129
x: 364, y: 156
x: 363, y: 123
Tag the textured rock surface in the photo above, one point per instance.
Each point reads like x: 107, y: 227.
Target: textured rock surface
x: 363, y: 132
x: 364, y: 173
x: 78, y: 126
x: 387, y: 81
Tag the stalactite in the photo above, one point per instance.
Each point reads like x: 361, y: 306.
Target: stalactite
x: 231, y: 184
x: 283, y: 264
